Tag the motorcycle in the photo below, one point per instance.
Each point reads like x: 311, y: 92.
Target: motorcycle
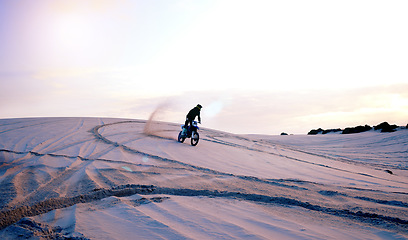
x: 190, y: 132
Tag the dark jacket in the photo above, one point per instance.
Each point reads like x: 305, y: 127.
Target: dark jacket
x: 195, y: 112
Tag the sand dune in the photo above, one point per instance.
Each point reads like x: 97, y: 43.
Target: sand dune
x: 92, y: 178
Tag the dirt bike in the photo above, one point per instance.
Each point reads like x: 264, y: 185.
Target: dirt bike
x: 190, y: 132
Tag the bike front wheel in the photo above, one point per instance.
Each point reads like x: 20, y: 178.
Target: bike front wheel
x: 180, y: 137
x: 194, y: 138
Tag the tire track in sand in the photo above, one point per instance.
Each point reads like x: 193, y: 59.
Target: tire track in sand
x: 51, y: 145
x: 11, y: 216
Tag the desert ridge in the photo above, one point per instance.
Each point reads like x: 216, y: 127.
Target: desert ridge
x: 107, y: 178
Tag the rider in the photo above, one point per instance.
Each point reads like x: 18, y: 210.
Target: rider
x: 195, y: 112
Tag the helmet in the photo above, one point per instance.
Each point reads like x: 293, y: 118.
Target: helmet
x: 199, y: 106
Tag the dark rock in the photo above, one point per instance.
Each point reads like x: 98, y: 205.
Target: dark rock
x: 331, y: 130
x: 389, y: 171
x: 284, y: 134
x: 381, y: 126
x: 392, y: 128
x: 357, y: 129
x: 386, y: 127
x: 315, y: 131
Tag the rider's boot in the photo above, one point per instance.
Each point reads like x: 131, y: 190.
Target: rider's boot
x: 184, y: 131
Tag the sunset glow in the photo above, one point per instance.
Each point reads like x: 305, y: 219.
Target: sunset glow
x: 256, y: 67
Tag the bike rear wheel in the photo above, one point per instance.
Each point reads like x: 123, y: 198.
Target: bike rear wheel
x: 195, y: 137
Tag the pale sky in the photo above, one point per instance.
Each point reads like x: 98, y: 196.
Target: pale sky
x: 256, y: 66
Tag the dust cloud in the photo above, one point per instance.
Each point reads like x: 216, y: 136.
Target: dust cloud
x: 155, y: 127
